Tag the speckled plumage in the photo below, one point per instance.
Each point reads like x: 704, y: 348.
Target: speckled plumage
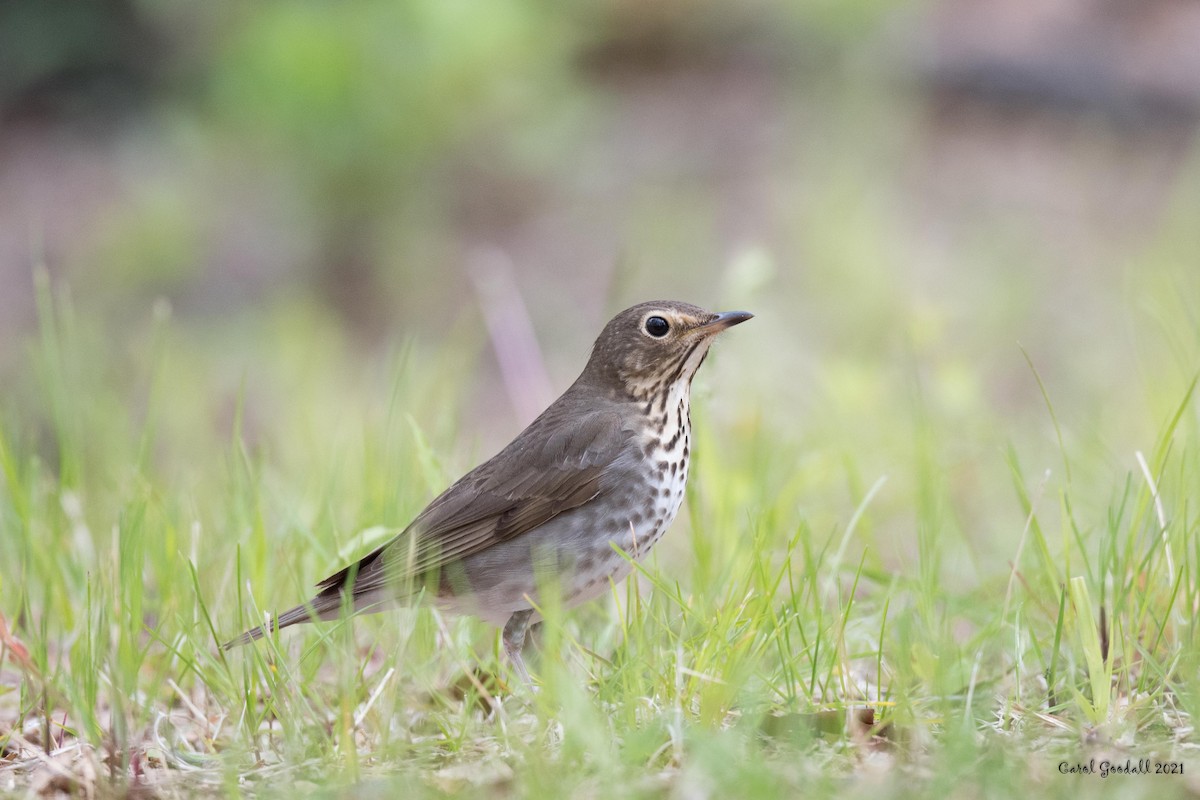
x: 605, y: 464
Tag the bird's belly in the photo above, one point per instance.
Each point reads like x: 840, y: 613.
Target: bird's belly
x: 574, y: 555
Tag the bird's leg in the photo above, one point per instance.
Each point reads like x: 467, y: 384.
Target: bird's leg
x: 514, y: 641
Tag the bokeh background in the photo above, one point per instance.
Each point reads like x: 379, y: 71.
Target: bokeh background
x: 928, y: 205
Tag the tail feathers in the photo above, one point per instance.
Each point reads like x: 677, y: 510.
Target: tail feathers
x: 366, y: 596
x: 325, y: 606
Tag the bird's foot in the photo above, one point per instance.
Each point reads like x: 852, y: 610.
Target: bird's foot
x: 514, y: 642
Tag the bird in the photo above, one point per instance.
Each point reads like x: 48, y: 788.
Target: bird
x: 600, y: 473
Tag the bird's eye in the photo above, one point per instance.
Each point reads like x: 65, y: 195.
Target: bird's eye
x: 657, y: 327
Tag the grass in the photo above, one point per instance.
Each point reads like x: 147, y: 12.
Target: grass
x: 854, y: 606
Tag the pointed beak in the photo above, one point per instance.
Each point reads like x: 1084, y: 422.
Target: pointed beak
x: 726, y: 319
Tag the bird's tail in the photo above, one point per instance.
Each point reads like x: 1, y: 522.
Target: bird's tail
x: 325, y: 606
x: 358, y: 584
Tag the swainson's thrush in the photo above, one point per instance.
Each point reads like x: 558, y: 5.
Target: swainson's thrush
x: 605, y: 464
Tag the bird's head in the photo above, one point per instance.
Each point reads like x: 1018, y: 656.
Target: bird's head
x: 647, y: 348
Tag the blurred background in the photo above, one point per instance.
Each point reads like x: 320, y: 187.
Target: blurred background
x: 907, y: 194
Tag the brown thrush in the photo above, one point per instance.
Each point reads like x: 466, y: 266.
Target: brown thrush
x: 604, y: 465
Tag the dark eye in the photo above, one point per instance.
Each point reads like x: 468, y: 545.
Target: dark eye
x: 657, y: 327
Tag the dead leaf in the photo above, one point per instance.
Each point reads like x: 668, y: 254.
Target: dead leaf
x: 10, y: 644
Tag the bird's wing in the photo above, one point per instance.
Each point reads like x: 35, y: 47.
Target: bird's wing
x: 555, y: 465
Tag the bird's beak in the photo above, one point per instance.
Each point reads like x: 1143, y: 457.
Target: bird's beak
x: 726, y: 319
